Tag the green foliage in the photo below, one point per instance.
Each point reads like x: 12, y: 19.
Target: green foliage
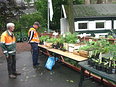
x: 99, y: 46
x: 110, y: 36
x: 112, y: 51
x: 72, y: 62
x: 52, y: 40
x: 41, y: 6
x: 44, y: 38
x: 86, y: 48
x: 27, y: 20
x: 9, y: 12
x: 71, y: 38
x: 27, y: 0
x: 78, y: 1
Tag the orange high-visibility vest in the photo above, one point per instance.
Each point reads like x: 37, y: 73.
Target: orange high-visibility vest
x: 7, y: 39
x: 8, y: 43
x: 35, y: 37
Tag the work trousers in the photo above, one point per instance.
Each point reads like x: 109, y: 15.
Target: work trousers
x: 11, y: 64
x: 35, y: 53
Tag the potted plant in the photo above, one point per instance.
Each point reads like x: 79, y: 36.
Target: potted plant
x: 43, y: 39
x: 112, y: 59
x: 71, y: 39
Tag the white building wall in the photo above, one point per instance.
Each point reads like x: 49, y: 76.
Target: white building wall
x: 108, y: 25
x: 91, y: 25
x: 114, y: 24
x: 76, y: 26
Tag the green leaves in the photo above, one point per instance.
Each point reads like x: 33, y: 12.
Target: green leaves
x: 71, y: 38
x: 44, y: 38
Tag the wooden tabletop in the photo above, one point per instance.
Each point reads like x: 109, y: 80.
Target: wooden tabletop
x: 66, y: 54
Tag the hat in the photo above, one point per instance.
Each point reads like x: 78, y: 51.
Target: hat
x: 37, y: 23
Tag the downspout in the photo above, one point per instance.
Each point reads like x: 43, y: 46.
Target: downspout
x: 112, y: 30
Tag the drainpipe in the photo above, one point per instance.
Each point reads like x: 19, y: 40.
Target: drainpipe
x: 112, y: 30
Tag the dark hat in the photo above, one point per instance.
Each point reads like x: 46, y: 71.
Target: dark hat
x: 37, y: 23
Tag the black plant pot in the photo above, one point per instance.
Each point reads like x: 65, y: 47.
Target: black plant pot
x: 41, y: 43
x: 95, y: 65
x: 91, y: 62
x: 54, y: 46
x: 104, y: 69
x: 59, y: 45
x: 99, y: 67
x: 63, y: 49
x: 109, y: 70
x: 96, y: 56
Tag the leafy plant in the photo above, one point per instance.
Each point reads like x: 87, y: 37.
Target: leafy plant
x: 44, y: 38
x: 71, y: 38
x: 52, y: 40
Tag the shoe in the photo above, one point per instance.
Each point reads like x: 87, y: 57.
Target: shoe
x: 12, y: 76
x: 17, y: 73
x: 36, y: 66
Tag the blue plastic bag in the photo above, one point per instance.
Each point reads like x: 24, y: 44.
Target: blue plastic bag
x: 50, y: 62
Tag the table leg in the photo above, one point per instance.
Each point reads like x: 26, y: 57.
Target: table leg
x: 81, y: 77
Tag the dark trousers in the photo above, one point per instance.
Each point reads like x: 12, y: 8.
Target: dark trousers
x: 35, y: 50
x: 11, y: 64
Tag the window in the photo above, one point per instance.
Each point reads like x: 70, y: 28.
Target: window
x: 99, y: 24
x: 82, y: 26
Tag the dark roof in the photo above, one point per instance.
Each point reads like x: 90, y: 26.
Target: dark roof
x: 94, y: 10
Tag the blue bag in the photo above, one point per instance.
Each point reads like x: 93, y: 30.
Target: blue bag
x: 50, y: 62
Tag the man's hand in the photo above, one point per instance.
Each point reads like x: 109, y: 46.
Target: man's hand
x: 28, y: 42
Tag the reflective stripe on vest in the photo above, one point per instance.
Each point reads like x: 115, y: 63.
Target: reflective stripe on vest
x: 5, y: 51
x: 11, y: 51
x: 10, y: 43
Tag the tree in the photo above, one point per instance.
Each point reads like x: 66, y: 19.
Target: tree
x: 8, y: 12
x: 28, y: 3
x: 108, y: 1
x: 55, y: 24
x: 99, y: 1
x: 70, y: 15
x: 87, y: 1
x: 78, y: 2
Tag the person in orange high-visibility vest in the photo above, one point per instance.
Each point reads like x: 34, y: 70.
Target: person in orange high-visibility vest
x: 8, y: 46
x: 34, y: 41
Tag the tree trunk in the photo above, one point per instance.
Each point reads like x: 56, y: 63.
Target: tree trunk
x: 70, y: 15
x: 108, y: 1
x: 93, y: 1
x: 87, y: 2
x: 99, y: 1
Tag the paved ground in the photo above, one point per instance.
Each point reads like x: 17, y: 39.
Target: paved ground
x: 60, y: 76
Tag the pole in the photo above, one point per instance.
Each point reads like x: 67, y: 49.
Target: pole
x: 48, y: 18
